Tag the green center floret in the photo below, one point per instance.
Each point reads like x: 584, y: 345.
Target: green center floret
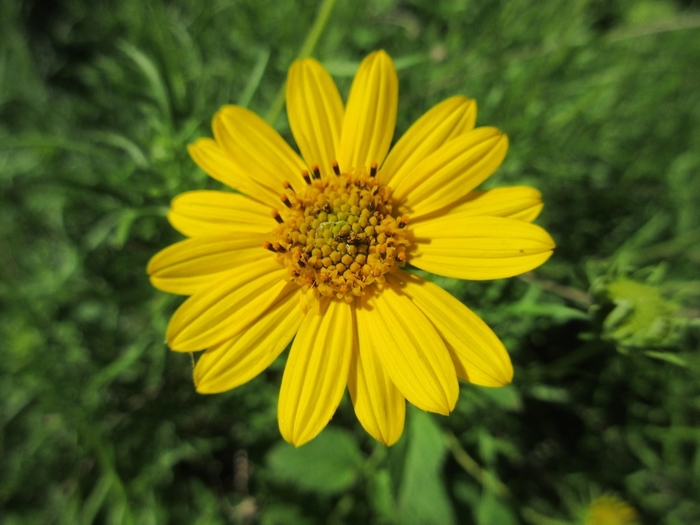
x: 339, y: 235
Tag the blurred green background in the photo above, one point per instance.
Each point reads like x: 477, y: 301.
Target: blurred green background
x: 100, y: 421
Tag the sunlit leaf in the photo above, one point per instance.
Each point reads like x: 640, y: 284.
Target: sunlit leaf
x: 422, y: 496
x: 328, y: 464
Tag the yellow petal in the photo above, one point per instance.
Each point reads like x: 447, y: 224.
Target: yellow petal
x: 370, y: 115
x: 199, y: 213
x: 410, y: 350
x: 513, y: 202
x: 477, y: 353
x: 257, y: 149
x: 227, y: 307
x: 238, y: 360
x: 451, y: 172
x: 316, y: 372
x: 478, y: 248
x: 189, y: 266
x: 379, y: 405
x: 521, y: 203
x: 445, y: 121
x: 315, y: 112
x: 220, y: 166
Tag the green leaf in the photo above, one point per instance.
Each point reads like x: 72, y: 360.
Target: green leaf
x: 380, y: 495
x: 668, y: 357
x: 281, y: 514
x: 550, y: 394
x: 422, y: 495
x: 329, y: 464
x: 493, y: 511
x: 641, y: 317
x: 506, y: 397
x: 149, y: 70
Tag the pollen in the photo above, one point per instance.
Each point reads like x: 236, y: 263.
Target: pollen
x: 338, y: 234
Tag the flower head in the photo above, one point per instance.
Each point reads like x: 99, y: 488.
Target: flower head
x: 609, y: 509
x: 314, y: 247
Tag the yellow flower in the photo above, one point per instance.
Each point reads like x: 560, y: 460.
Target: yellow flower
x: 610, y: 510
x: 312, y: 252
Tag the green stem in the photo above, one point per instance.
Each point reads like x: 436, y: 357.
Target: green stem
x: 566, y: 292
x: 119, y: 498
x: 324, y: 13
x: 473, y: 468
x: 490, y: 482
x: 535, y: 518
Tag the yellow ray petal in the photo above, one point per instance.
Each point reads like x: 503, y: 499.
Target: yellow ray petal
x: 379, y: 405
x: 189, y: 266
x: 220, y: 166
x: 452, y: 171
x: 226, y: 308
x: 477, y: 353
x: 445, y: 121
x: 478, y: 248
x: 521, y: 203
x: 237, y: 361
x: 200, y: 213
x: 370, y: 115
x: 315, y: 112
x: 257, y: 149
x: 410, y: 350
x: 316, y: 372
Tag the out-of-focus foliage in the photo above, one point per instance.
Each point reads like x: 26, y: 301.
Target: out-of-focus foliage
x: 100, y: 422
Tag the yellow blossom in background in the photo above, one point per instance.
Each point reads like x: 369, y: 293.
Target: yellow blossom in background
x: 610, y: 510
x: 313, y: 249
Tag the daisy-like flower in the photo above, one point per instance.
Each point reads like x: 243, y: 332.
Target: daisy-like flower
x: 313, y: 248
x: 609, y: 509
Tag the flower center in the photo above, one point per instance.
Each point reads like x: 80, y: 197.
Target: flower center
x: 338, y: 234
